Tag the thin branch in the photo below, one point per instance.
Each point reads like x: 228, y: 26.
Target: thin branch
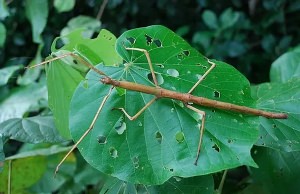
x: 101, y: 10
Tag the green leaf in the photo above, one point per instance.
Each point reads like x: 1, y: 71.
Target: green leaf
x: 7, y: 72
x: 31, y: 130
x: 3, y: 10
x: 64, y: 5
x: 146, y: 150
x: 37, y: 13
x: 2, y: 34
x: 89, y: 24
x: 31, y: 165
x: 22, y: 99
x: 228, y: 18
x: 210, y: 19
x: 283, y: 134
x: 24, y: 173
x: 200, y: 184
x: 286, y: 67
x: 64, y: 75
x: 278, y: 172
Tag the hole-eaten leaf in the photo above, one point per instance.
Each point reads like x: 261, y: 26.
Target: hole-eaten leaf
x: 179, y: 136
x: 217, y: 94
x: 159, y: 78
x: 216, y: 147
x: 135, y: 162
x: 102, y: 139
x: 173, y: 72
x: 186, y: 52
x: 158, y: 137
x: 59, y: 43
x: 157, y: 43
x: 149, y: 40
x: 131, y: 40
x: 160, y: 65
x: 120, y: 128
x: 113, y: 152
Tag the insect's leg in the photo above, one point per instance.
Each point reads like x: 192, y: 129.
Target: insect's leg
x: 213, y: 65
x: 139, y: 112
x: 83, y: 61
x: 87, y: 131
x: 201, y: 129
x: 149, y: 62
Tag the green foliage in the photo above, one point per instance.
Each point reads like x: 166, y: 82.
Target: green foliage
x: 248, y: 34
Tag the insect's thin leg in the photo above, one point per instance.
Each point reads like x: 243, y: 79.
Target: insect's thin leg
x: 201, y: 129
x: 149, y: 62
x: 213, y: 65
x: 83, y: 61
x: 139, y: 112
x: 87, y: 131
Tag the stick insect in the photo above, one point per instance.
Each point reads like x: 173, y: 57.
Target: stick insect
x: 187, y: 98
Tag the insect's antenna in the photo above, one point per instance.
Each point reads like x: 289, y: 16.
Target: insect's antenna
x: 84, y: 62
x: 87, y: 131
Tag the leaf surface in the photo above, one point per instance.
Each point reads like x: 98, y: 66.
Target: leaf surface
x: 162, y: 142
x: 283, y: 134
x: 64, y: 75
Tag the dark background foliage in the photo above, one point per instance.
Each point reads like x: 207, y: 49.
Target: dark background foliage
x: 259, y: 30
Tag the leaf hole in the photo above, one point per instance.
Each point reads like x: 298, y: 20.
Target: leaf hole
x: 75, y: 62
x: 149, y: 40
x: 179, y: 136
x: 102, y: 139
x: 180, y: 56
x: 159, y: 78
x: 230, y: 141
x: 158, y: 137
x: 160, y: 65
x: 135, y: 161
x: 121, y: 127
x: 274, y: 126
x: 216, y: 147
x: 113, y: 152
x: 171, y: 170
x: 186, y: 52
x: 157, y: 43
x: 59, y: 43
x: 217, y: 94
x: 213, y: 110
x: 131, y: 40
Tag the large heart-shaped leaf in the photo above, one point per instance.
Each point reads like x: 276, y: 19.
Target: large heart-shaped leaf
x: 162, y: 142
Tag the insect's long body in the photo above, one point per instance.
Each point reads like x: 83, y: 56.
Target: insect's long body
x: 188, y: 98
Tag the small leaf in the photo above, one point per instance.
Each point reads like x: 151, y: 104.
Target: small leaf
x: 286, y: 67
x: 21, y: 100
x: 2, y: 34
x: 210, y: 19
x: 278, y: 172
x: 89, y: 24
x: 37, y: 13
x: 64, y: 5
x: 7, y: 72
x: 283, y: 134
x: 228, y: 18
x: 31, y: 130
